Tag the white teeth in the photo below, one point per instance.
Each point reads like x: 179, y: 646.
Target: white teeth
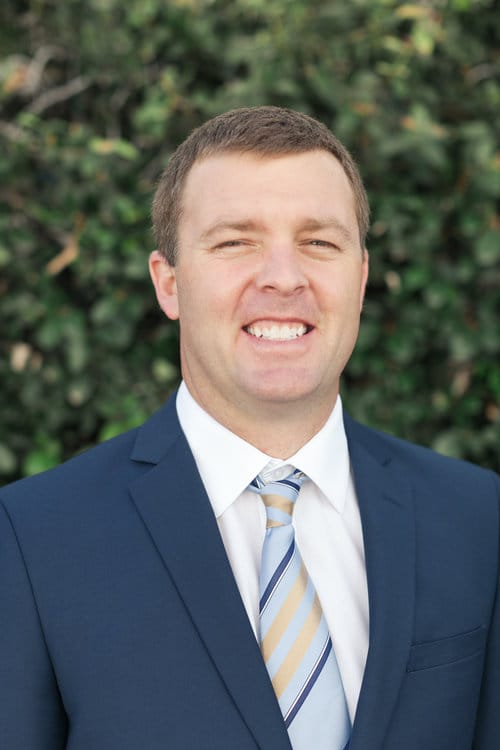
x: 277, y: 332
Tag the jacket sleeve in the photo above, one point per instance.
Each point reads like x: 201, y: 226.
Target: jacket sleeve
x: 487, y: 735
x: 31, y: 712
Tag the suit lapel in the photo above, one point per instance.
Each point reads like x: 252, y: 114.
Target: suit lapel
x: 387, y: 517
x: 173, y: 504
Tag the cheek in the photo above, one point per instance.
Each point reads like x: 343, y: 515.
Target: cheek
x: 349, y: 290
x: 204, y: 303
x: 341, y: 300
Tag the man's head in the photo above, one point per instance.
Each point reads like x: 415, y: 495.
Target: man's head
x: 267, y: 214
x: 263, y: 131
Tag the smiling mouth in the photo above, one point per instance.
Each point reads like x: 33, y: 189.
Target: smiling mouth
x: 278, y: 332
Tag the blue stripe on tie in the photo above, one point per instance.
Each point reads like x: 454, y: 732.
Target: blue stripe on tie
x: 288, y: 482
x: 302, y: 674
x: 288, y: 491
x: 277, y: 575
x: 272, y: 558
x: 275, y: 659
x: 275, y: 514
x: 309, y: 685
x: 279, y: 595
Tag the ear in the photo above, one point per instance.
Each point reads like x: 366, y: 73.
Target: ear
x: 165, y: 284
x: 364, y: 277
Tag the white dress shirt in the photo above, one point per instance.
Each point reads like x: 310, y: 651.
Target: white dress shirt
x: 326, y: 521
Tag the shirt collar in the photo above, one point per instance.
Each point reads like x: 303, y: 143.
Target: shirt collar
x: 227, y: 463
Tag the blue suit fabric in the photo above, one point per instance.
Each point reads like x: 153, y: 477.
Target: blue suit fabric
x: 122, y: 628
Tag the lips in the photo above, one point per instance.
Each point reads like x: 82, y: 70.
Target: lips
x: 274, y: 331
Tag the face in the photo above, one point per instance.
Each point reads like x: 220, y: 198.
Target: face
x: 269, y: 283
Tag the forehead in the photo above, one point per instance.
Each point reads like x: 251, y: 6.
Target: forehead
x: 251, y: 183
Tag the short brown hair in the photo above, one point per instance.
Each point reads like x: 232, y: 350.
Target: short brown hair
x: 261, y: 130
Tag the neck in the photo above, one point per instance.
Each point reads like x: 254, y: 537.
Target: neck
x: 278, y: 440
x: 279, y: 430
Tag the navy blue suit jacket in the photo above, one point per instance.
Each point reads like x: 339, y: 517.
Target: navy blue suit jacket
x: 121, y: 626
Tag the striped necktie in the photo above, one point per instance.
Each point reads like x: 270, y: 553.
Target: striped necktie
x: 294, y: 637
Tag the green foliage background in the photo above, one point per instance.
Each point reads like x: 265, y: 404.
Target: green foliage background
x: 94, y: 96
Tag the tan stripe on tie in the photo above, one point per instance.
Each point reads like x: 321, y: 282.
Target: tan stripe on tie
x: 285, y: 614
x: 299, y: 648
x: 280, y: 503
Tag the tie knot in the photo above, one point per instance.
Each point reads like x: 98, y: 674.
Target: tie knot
x: 279, y: 497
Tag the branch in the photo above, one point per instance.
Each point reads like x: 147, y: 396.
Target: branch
x: 59, y: 94
x: 13, y: 132
x: 481, y: 72
x: 36, y: 67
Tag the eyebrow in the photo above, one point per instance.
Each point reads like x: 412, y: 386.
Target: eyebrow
x: 245, y: 225
x: 249, y: 225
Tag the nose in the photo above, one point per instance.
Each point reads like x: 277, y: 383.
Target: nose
x: 281, y: 270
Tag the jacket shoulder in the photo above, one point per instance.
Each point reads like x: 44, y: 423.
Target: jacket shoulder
x: 107, y: 467
x: 421, y: 463
x: 88, y: 469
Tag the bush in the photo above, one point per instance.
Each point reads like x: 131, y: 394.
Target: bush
x: 95, y: 95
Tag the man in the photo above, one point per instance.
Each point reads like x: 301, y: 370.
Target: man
x: 142, y: 599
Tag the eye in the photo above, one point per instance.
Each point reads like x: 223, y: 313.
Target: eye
x: 320, y: 249
x: 321, y: 243
x: 231, y: 243
x: 235, y: 246
x: 320, y: 246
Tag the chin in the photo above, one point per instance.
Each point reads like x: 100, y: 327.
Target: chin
x: 280, y: 393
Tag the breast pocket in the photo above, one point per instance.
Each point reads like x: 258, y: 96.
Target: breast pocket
x: 446, y: 650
